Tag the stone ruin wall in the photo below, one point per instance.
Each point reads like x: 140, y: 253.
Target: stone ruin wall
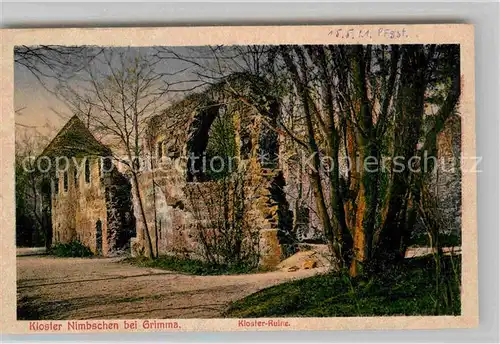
x: 75, y: 212
x: 180, y: 207
x: 447, y: 179
x: 175, y: 206
x: 296, y: 212
x: 119, y: 212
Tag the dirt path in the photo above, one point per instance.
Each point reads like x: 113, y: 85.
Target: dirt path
x: 76, y: 288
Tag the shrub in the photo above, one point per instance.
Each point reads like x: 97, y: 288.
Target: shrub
x: 191, y: 266
x: 222, y: 211
x: 72, y: 249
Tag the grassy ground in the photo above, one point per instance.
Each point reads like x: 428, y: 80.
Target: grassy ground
x: 412, y: 290
x: 190, y: 266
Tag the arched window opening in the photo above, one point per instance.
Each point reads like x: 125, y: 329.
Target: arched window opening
x: 197, y: 144
x: 87, y: 171
x: 160, y: 150
x: 65, y: 181
x: 211, y: 145
x: 98, y: 236
x: 75, y: 176
x: 107, y: 164
x: 56, y: 184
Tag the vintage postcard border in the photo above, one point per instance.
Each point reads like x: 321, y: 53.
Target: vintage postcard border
x: 193, y: 36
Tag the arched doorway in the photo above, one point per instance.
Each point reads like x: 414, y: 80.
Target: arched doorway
x: 98, y: 237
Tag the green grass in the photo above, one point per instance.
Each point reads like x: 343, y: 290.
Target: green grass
x: 72, y: 249
x: 445, y: 240
x: 190, y: 266
x: 409, y: 291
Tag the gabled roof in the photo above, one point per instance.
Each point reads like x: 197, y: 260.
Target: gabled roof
x: 75, y: 140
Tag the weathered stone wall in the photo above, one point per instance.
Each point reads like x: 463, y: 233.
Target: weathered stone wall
x: 76, y: 211
x: 306, y: 225
x: 446, y: 182
x: 91, y: 202
x: 164, y: 206
x: 180, y: 200
x: 119, y: 211
x: 64, y: 208
x: 177, y: 210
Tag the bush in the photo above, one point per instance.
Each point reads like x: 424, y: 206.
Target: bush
x: 72, y: 249
x: 222, y: 211
x: 190, y: 266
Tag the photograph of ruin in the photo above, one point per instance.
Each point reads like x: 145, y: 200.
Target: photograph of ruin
x: 237, y: 181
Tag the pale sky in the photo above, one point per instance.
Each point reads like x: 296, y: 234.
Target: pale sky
x: 35, y: 105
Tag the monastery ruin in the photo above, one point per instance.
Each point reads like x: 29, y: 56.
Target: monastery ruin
x: 251, y: 202
x: 88, y: 205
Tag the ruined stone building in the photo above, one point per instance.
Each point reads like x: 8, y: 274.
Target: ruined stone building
x: 89, y: 200
x: 445, y: 182
x: 190, y: 210
x: 192, y: 207
x: 219, y: 183
x: 449, y: 175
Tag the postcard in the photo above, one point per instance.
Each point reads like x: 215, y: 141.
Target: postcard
x: 265, y: 178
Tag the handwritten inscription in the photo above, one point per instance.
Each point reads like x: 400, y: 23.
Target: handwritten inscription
x: 381, y: 32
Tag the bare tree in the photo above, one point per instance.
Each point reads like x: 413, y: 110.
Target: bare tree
x: 54, y: 62
x: 359, y: 102
x: 78, y: 104
x: 120, y: 92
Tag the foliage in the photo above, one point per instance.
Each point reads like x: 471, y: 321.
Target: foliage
x: 28, y: 229
x: 334, y: 101
x: 32, y: 213
x: 408, y: 290
x: 191, y: 266
x: 222, y: 215
x: 356, y: 102
x: 221, y: 144
x: 72, y: 249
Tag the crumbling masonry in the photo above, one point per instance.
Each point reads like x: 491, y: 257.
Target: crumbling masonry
x: 185, y: 201
x: 89, y: 200
x: 253, y: 205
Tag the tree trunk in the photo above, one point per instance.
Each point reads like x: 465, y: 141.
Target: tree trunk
x: 334, y: 242
x: 409, y: 116
x: 368, y: 175
x: 342, y: 234
x: 149, y: 251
